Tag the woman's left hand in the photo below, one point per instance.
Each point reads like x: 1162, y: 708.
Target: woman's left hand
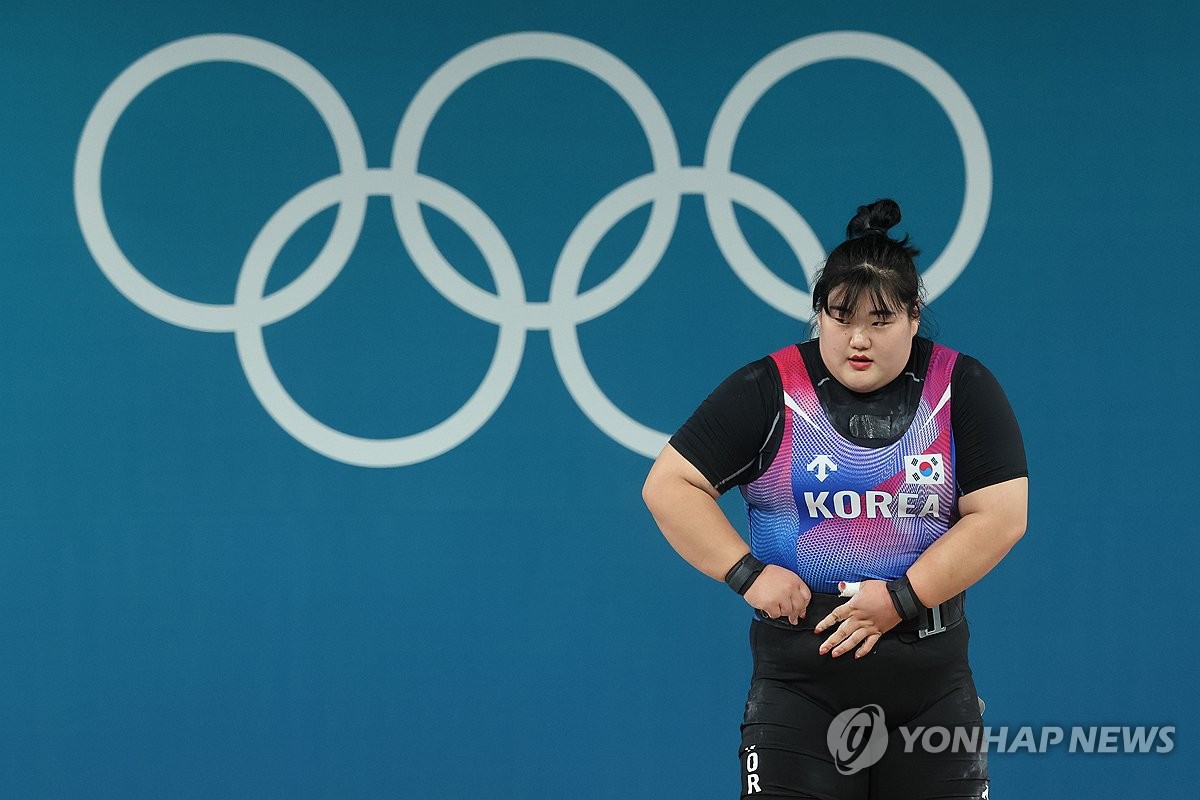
x: 860, y: 621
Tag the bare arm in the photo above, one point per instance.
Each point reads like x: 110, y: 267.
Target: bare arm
x: 993, y: 519
x: 684, y: 505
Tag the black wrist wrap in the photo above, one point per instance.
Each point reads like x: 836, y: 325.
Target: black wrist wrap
x: 904, y: 598
x: 744, y: 573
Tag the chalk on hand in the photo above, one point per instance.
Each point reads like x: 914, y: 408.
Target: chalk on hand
x: 848, y: 588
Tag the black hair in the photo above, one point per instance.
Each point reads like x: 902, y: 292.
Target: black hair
x: 872, y: 262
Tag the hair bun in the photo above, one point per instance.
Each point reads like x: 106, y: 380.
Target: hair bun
x: 878, y: 217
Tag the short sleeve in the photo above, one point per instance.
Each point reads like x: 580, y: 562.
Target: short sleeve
x: 987, y: 440
x: 733, y: 435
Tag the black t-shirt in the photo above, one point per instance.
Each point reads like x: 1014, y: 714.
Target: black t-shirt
x: 735, y: 433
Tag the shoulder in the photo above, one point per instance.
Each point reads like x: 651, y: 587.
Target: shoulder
x: 971, y: 375
x: 990, y: 447
x: 762, y: 371
x: 758, y: 379
x: 728, y: 432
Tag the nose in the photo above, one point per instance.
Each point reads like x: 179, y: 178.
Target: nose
x: 859, y: 339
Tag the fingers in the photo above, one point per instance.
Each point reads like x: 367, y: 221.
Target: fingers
x: 799, y: 607
x: 852, y: 627
x: 838, y: 615
x: 795, y: 605
x: 793, y: 612
x: 845, y: 639
x: 868, y: 643
x: 779, y: 594
x: 791, y: 609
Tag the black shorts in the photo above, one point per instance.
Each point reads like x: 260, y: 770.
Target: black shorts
x: 796, y: 694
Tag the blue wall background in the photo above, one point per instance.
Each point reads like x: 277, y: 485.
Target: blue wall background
x: 195, y: 604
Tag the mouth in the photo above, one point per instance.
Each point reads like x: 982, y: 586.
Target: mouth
x: 860, y: 363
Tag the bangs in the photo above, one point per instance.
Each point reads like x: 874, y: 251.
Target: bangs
x: 866, y: 281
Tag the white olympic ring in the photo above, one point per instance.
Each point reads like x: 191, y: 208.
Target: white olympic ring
x: 89, y: 203
x: 508, y: 308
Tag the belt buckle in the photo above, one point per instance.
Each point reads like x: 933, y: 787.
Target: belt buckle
x: 937, y: 626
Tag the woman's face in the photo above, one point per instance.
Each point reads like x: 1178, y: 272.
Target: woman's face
x: 866, y: 347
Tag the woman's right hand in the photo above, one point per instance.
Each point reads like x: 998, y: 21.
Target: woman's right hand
x: 779, y: 593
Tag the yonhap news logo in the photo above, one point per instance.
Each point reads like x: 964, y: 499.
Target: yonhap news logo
x: 1101, y: 739
x: 859, y: 737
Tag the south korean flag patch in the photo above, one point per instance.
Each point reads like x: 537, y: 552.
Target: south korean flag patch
x: 924, y: 470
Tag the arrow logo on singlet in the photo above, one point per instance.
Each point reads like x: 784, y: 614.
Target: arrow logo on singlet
x: 822, y: 465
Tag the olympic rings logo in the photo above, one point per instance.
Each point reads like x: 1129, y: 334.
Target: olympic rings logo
x: 663, y: 189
